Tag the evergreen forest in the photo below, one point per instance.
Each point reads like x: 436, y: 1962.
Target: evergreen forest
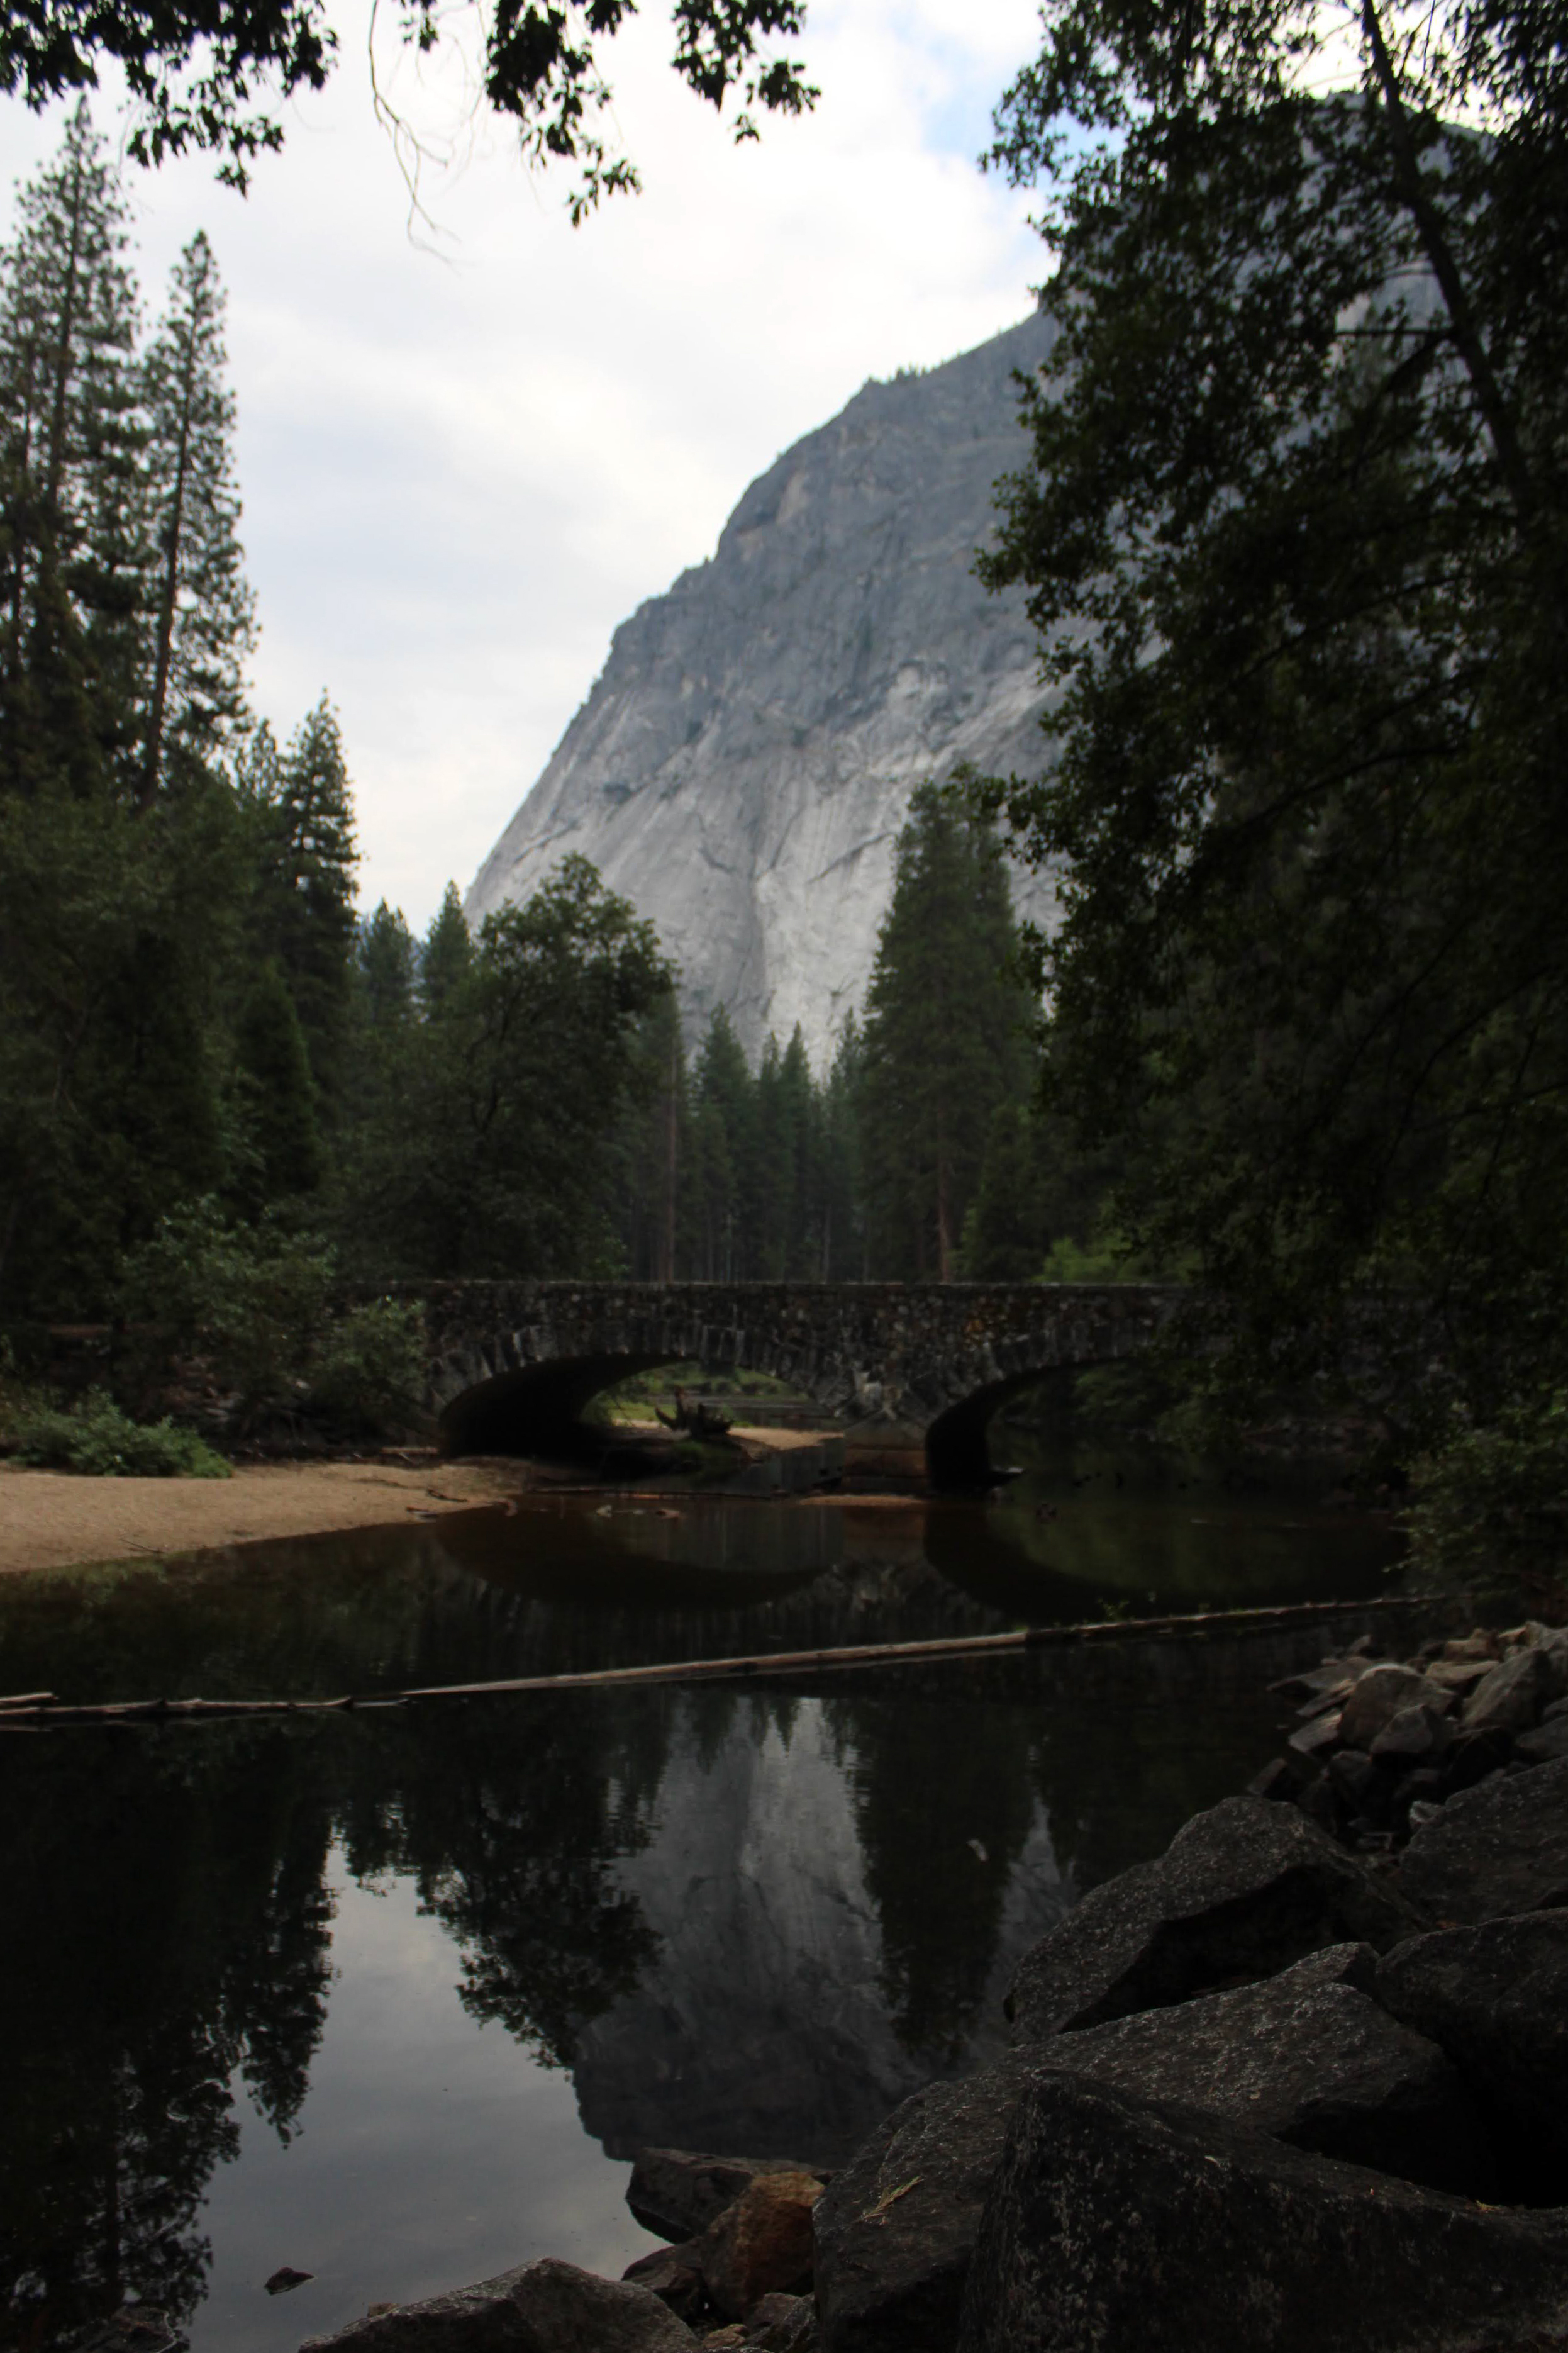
x: 226, y: 1098
x: 1290, y: 527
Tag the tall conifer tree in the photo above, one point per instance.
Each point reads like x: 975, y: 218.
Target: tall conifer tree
x: 724, y: 1153
x: 306, y: 901
x: 67, y: 328
x: 203, y: 610
x: 446, y: 954
x: 943, y: 1039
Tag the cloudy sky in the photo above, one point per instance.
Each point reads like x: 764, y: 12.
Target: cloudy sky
x: 467, y: 451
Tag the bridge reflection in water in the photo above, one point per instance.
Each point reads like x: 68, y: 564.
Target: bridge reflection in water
x: 513, y: 1366
x: 739, y: 1918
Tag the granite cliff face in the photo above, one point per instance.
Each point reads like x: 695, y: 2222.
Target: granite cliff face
x: 745, y: 759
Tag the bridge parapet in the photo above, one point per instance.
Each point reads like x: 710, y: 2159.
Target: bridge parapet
x: 513, y: 1365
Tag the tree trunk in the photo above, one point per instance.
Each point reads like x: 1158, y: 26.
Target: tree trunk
x: 1445, y: 269
x: 172, y: 537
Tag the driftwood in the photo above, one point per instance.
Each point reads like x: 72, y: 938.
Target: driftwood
x: 39, y: 1709
x: 697, y: 1420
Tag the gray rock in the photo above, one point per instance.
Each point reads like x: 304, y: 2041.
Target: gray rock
x: 1458, y: 1675
x: 1334, y: 1698
x: 677, y: 2192
x: 1130, y: 2226
x: 1473, y: 1757
x: 747, y: 757
x: 1479, y: 1647
x: 1306, y: 2055
x: 1554, y: 1709
x: 675, y: 2275
x: 1546, y: 1743
x: 543, y: 2308
x: 1496, y: 1998
x: 1422, y: 1788
x: 1353, y: 1777
x: 1511, y: 1697
x: 1310, y: 2058
x: 896, y: 2230
x: 1280, y: 1781
x: 1243, y: 1890
x: 1417, y: 1735
x: 1380, y: 1696
x: 1496, y: 1850
x: 783, y: 2324
x: 1319, y: 1735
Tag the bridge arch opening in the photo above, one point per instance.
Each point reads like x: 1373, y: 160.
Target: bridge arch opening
x: 537, y: 1409
x: 961, y: 1452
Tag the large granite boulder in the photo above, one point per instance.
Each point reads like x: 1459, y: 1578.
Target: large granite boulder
x: 1310, y: 2058
x: 1243, y: 1890
x: 1133, y: 2226
x: 1306, y: 2055
x: 1498, y: 1848
x: 896, y: 2229
x: 542, y: 2308
x: 1496, y: 1998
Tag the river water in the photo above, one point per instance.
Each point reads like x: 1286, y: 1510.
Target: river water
x: 393, y: 1998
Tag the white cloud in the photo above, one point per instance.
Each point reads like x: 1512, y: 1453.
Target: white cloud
x: 462, y: 467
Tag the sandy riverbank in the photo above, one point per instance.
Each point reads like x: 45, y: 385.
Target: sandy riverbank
x: 53, y: 1519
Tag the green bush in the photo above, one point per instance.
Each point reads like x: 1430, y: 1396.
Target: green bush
x: 255, y: 1305
x: 99, y: 1441
x: 1491, y: 1508
x: 369, y: 1367
x: 253, y: 1300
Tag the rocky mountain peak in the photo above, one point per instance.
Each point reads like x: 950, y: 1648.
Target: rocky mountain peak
x: 745, y: 759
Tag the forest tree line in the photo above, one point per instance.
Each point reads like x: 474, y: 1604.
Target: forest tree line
x: 202, y: 1041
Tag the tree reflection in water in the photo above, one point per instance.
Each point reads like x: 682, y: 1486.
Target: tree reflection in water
x: 169, y: 1926
x: 167, y: 1931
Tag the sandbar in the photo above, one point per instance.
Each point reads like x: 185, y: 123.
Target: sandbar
x: 57, y: 1519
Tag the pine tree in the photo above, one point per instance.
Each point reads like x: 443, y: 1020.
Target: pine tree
x: 842, y: 1215
x: 67, y: 422
x: 724, y: 1149
x: 943, y: 1039
x: 281, y: 1154
x: 387, y: 961
x: 447, y: 955
x: 648, y: 1180
x: 1005, y: 1233
x: 784, y: 1205
x: 305, y: 892
x: 203, y: 622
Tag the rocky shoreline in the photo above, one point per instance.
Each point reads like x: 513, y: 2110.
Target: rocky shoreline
x: 1301, y: 2082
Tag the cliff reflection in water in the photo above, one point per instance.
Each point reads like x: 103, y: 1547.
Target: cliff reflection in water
x: 743, y: 1918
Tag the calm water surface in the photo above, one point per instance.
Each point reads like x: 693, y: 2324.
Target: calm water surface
x: 393, y: 1998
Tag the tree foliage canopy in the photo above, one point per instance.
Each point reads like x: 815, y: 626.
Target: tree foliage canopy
x: 210, y: 74
x: 944, y: 1036
x: 1294, y: 537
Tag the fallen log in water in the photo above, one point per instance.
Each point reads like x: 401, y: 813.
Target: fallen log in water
x: 42, y: 1708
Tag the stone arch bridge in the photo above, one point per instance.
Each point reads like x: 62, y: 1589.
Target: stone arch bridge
x: 513, y: 1365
